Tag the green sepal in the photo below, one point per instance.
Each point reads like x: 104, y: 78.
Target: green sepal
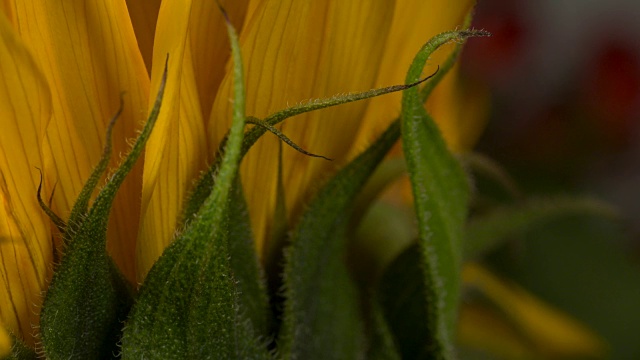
x: 440, y: 192
x: 205, y: 183
x: 487, y: 231
x: 88, y: 299
x: 245, y: 266
x: 401, y: 294
x: 322, y: 317
x: 190, y: 306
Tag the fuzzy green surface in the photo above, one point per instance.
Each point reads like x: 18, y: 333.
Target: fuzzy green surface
x: 322, y: 315
x: 440, y: 193
x: 88, y: 299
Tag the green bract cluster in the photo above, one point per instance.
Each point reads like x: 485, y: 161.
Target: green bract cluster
x: 208, y: 295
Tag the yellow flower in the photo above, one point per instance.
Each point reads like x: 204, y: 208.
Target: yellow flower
x: 519, y: 326
x: 65, y: 65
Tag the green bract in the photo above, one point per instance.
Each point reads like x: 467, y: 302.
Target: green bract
x: 206, y: 297
x: 88, y: 299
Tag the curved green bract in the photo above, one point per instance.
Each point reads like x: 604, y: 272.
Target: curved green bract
x: 440, y: 193
x: 88, y: 298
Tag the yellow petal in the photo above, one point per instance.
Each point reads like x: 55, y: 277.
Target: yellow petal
x: 6, y: 7
x: 25, y: 240
x: 176, y: 151
x: 483, y: 330
x: 144, y: 15
x: 5, y: 342
x: 210, y: 44
x: 414, y: 22
x: 89, y: 55
x: 295, y: 51
x: 553, y: 333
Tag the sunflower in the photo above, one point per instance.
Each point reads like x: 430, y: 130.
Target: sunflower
x: 67, y: 67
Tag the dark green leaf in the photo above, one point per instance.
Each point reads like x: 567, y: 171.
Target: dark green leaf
x: 322, y: 317
x: 88, y: 299
x: 440, y: 192
x: 382, y: 344
x: 488, y: 231
x: 272, y: 252
x: 401, y: 294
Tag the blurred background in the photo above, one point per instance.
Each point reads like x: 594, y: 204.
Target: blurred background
x: 565, y: 119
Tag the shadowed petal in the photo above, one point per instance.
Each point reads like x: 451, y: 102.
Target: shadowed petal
x: 7, y: 7
x: 5, y: 342
x: 89, y: 55
x: 144, y: 15
x: 548, y: 331
x: 295, y: 51
x: 25, y: 239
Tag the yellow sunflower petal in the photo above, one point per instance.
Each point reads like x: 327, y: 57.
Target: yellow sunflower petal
x: 89, y: 55
x: 144, y: 15
x: 414, y: 22
x: 481, y: 329
x: 295, y: 51
x: 210, y: 44
x: 5, y: 342
x: 25, y: 239
x: 6, y: 7
x: 553, y: 333
x: 176, y: 150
